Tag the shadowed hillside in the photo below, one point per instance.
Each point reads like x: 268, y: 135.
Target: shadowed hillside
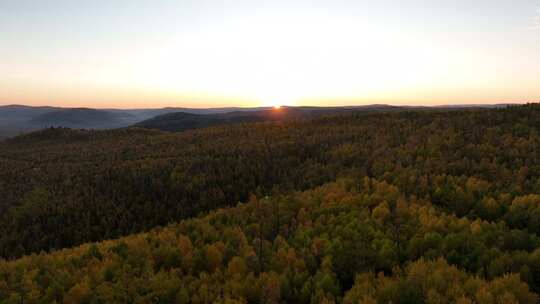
x: 182, y: 121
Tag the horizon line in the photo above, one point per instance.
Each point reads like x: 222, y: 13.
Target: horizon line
x: 271, y: 106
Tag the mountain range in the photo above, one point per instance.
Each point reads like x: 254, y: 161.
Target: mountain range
x: 18, y: 119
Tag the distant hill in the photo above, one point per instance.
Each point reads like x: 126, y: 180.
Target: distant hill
x: 83, y: 118
x: 181, y: 121
x: 149, y: 113
x: 14, y: 118
x: 21, y: 113
x: 18, y: 119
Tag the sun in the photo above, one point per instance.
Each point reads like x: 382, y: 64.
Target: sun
x: 277, y: 101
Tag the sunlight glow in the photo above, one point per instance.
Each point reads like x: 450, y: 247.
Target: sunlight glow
x: 279, y: 55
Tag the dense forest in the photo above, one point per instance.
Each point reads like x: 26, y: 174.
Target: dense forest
x: 352, y: 241
x: 408, y: 207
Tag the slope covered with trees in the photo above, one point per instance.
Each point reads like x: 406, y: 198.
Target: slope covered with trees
x: 181, y: 121
x: 62, y: 187
x: 352, y: 241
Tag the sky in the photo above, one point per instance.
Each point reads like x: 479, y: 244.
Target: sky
x: 201, y: 53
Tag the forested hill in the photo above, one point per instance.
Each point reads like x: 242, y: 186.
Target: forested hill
x: 353, y: 241
x: 444, y: 205
x: 62, y: 187
x: 181, y: 121
x: 19, y: 119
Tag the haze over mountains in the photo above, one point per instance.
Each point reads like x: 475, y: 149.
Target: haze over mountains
x: 17, y: 119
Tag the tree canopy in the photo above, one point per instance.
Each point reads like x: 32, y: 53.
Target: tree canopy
x: 416, y: 206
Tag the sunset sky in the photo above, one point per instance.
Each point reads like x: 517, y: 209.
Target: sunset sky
x: 197, y: 53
